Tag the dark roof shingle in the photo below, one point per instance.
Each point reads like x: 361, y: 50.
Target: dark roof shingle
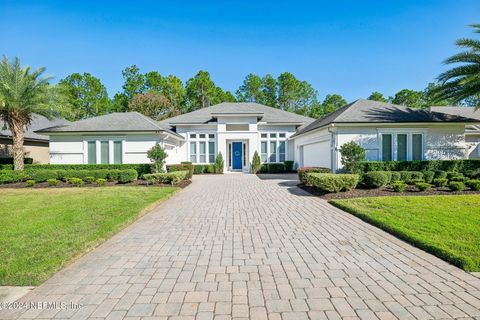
x: 38, y: 122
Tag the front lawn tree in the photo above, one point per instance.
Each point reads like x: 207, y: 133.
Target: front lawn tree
x: 256, y: 163
x: 157, y: 155
x: 351, y: 154
x: 23, y: 92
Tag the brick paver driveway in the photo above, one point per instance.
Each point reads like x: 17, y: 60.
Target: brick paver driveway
x: 237, y: 247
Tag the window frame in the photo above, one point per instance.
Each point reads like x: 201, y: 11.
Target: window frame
x: 278, y: 138
x: 197, y: 139
x: 409, y: 143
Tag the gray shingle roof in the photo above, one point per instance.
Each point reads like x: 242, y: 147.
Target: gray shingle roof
x: 113, y: 122
x: 38, y: 122
x: 468, y: 112
x: 267, y: 114
x: 367, y: 111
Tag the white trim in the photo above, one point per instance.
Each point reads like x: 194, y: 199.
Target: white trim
x: 409, y: 132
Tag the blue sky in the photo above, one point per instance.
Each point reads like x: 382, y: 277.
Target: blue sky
x: 346, y: 47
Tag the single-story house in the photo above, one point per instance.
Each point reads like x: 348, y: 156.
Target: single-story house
x: 35, y: 145
x: 237, y: 130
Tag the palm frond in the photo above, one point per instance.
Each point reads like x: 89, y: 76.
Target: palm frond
x: 468, y: 43
x: 464, y: 57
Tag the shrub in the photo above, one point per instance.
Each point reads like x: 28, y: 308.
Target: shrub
x: 219, y: 163
x: 415, y: 181
x: 456, y: 186
x: 209, y: 168
x: 75, y: 181
x: 455, y: 176
x: 473, y: 184
x: 440, y: 174
x: 186, y: 162
x: 90, y: 179
x: 375, y: 179
x: 100, y: 182
x: 330, y: 182
x: 396, y: 176
x: 303, y: 170
x: 10, y: 176
x: 157, y: 155
x: 203, y: 168
x: 351, y: 155
x: 440, y: 182
x: 423, y: 165
x: 288, y: 165
x: 399, y: 186
x: 41, y: 175
x: 125, y: 176
x: 141, y: 168
x: 423, y: 186
x: 473, y: 174
x: 256, y: 163
x: 112, y: 175
x: 168, y: 178
x: 181, y: 167
x: 428, y: 176
x: 53, y: 182
x: 30, y: 183
x: 275, y: 167
x: 409, y: 176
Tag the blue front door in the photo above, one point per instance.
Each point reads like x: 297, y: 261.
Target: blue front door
x: 236, y: 155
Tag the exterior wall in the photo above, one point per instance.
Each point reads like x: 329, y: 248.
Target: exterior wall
x: 36, y: 150
x: 313, y: 149
x: 473, y: 145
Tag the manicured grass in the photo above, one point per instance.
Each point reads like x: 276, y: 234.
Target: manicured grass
x: 446, y: 226
x: 42, y: 230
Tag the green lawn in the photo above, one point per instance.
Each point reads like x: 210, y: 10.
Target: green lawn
x: 446, y: 226
x: 42, y: 230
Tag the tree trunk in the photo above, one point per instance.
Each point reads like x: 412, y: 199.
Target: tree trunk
x: 16, y: 127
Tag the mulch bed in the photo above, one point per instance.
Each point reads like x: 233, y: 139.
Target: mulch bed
x: 136, y: 183
x: 382, y: 192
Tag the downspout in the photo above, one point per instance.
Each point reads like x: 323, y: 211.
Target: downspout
x: 333, y: 149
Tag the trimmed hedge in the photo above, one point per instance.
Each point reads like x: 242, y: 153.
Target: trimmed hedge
x: 331, y: 182
x: 10, y: 176
x: 9, y: 160
x: 440, y: 182
x: 456, y: 186
x: 181, y: 167
x: 409, y: 177
x: 288, y: 166
x: 399, y: 186
x: 172, y: 178
x: 42, y: 175
x: 140, y: 168
x: 423, y: 165
x: 303, y: 170
x: 203, y: 168
x: 423, y: 186
x: 473, y: 184
x: 272, y: 167
x: 376, y: 179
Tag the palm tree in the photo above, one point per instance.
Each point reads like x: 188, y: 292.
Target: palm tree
x: 22, y: 93
x: 462, y: 82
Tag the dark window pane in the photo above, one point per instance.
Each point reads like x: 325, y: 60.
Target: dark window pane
x: 386, y: 147
x: 273, y: 151
x: 104, y: 152
x: 401, y: 147
x: 117, y: 152
x: 417, y: 147
x: 211, y: 152
x: 92, y: 152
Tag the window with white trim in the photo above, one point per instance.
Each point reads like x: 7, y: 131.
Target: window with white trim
x: 201, y: 147
x: 273, y: 146
x: 402, y: 146
x: 108, y: 151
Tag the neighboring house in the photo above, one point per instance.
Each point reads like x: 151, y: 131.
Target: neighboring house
x: 35, y: 145
x: 472, y: 132
x: 385, y: 131
x: 237, y: 130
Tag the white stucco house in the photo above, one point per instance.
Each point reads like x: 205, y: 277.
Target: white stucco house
x: 237, y: 130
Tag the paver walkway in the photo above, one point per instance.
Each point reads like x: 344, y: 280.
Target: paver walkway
x: 237, y: 247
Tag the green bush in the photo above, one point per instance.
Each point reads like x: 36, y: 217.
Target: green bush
x: 10, y: 176
x: 473, y: 184
x: 100, y: 182
x: 140, y: 168
x: 330, y: 182
x: 456, y: 186
x: 186, y: 162
x: 219, y: 163
x: 113, y: 175
x: 126, y: 176
x: 456, y: 176
x: 203, y: 168
x: 440, y: 182
x: 41, y: 175
x: 473, y: 174
x: 399, y: 186
x: 423, y: 165
x: 415, y: 181
x: 440, y: 174
x: 409, y: 176
x: 157, y: 155
x: 352, y: 154
x: 288, y: 165
x: 90, y: 179
x: 396, y: 176
x: 172, y: 178
x: 375, y: 179
x: 428, y: 176
x: 302, y: 172
x: 423, y: 186
x: 256, y: 163
x: 53, y: 182
x: 30, y: 183
x: 75, y: 181
x: 275, y: 167
x: 181, y: 167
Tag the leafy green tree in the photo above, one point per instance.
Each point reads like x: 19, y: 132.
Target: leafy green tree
x: 463, y: 81
x: 377, y: 96
x: 87, y: 95
x: 22, y: 93
x: 331, y: 103
x: 256, y: 163
x: 157, y: 155
x: 252, y: 89
x: 295, y: 95
x: 174, y: 91
x: 154, y: 81
x: 200, y: 91
x: 269, y: 89
x: 410, y: 98
x: 151, y: 104
x: 351, y: 155
x: 219, y: 163
x: 134, y: 81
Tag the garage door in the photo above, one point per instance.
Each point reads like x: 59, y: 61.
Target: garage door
x: 317, y: 155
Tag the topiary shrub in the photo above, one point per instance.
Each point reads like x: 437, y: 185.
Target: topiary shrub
x: 256, y: 163
x: 113, y: 175
x: 395, y: 176
x: 90, y: 179
x: 399, y: 186
x: 330, y: 182
x: 351, y: 156
x: 375, y: 179
x: 198, y: 168
x: 415, y: 181
x: 100, y: 182
x: 219, y: 163
x: 440, y: 182
x: 455, y: 176
x: 473, y: 184
x: 30, y: 183
x: 440, y: 174
x: 157, y: 155
x: 275, y: 167
x: 181, y: 167
x: 302, y: 172
x: 423, y: 186
x: 456, y: 186
x: 172, y: 178
x: 409, y: 176
x: 75, y: 181
x: 53, y: 182
x: 126, y: 176
x: 10, y: 176
x: 428, y: 176
x: 288, y: 165
x: 41, y: 175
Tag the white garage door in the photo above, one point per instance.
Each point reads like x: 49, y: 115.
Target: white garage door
x: 317, y: 155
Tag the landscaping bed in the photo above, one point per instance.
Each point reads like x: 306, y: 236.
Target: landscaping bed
x: 137, y: 183
x: 43, y: 230
x: 447, y: 226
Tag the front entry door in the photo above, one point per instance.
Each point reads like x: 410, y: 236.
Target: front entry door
x: 236, y: 155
